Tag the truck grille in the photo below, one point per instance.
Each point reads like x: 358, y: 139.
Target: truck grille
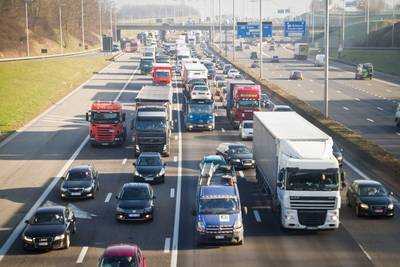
x: 153, y: 140
x: 219, y: 229
x: 312, y: 217
x: 248, y: 116
x: 323, y: 203
x: 104, y: 135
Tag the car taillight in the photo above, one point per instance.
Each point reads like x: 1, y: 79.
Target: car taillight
x: 207, y: 93
x: 193, y: 93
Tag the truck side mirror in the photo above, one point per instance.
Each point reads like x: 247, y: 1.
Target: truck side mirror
x: 279, y: 184
x: 132, y: 124
x: 194, y: 213
x: 123, y: 116
x: 134, y: 163
x: 87, y: 116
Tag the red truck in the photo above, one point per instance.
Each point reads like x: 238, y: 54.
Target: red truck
x: 107, y: 125
x: 134, y: 45
x: 243, y: 98
x: 162, y: 73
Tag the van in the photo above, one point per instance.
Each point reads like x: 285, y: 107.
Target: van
x: 319, y: 60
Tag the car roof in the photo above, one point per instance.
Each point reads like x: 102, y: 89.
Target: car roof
x: 50, y: 209
x: 213, y: 157
x: 366, y: 182
x: 81, y: 168
x: 121, y: 250
x: 132, y: 185
x: 149, y: 154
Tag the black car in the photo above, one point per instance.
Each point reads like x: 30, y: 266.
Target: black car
x: 135, y: 202
x: 265, y: 101
x: 149, y: 167
x: 275, y: 59
x: 337, y: 152
x: 80, y: 182
x: 370, y: 198
x: 236, y: 154
x: 49, y: 228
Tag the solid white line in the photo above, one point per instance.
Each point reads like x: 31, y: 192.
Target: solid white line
x: 108, y: 197
x: 241, y: 173
x: 346, y: 108
x: 257, y: 215
x: 172, y: 193
x: 174, y: 254
x: 167, y: 244
x: 381, y: 109
x: 175, y: 158
x: 370, y: 120
x: 124, y: 161
x: 357, y: 99
x: 223, y: 130
x: 82, y: 255
x: 365, y: 252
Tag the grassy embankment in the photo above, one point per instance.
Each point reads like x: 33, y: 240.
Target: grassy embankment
x: 29, y: 87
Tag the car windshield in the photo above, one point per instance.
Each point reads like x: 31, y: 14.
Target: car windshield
x: 135, y: 193
x: 78, y: 175
x: 149, y: 161
x: 200, y: 108
x: 48, y: 218
x: 249, y: 104
x: 312, y: 181
x: 118, y: 262
x: 248, y: 125
x: 282, y: 109
x: 197, y: 82
x: 148, y: 54
x: 218, y: 206
x: 239, y: 150
x: 163, y: 74
x: 151, y: 124
x: 200, y: 88
x: 372, y: 191
x: 105, y: 117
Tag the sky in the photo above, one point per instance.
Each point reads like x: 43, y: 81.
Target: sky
x: 243, y: 8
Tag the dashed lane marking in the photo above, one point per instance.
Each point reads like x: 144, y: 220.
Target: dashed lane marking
x: 346, y: 108
x: 365, y: 252
x: 167, y: 245
x: 379, y: 108
x: 108, y: 197
x: 241, y: 174
x: 257, y: 216
x: 172, y: 193
x: 82, y: 255
x: 357, y: 99
x: 370, y: 120
x: 175, y: 158
x: 223, y: 130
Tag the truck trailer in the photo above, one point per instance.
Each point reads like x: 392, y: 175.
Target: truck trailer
x: 295, y: 163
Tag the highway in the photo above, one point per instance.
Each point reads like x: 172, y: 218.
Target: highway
x: 32, y: 162
x: 365, y: 106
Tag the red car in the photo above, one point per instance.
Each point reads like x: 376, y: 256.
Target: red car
x: 123, y: 255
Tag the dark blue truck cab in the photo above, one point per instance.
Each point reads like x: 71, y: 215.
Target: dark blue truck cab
x: 199, y: 114
x: 218, y: 211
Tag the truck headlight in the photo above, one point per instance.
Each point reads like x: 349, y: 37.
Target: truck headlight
x: 191, y: 117
x: 201, y: 227
x: 27, y: 238
x: 238, y: 225
x: 364, y: 206
x: 59, y: 237
x: 137, y: 173
x: 390, y: 206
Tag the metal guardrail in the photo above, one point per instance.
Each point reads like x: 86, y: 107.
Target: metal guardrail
x: 49, y: 56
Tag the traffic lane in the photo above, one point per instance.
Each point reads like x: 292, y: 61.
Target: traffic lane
x: 53, y: 137
x: 114, y: 165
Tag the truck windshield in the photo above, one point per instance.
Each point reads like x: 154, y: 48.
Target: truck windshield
x: 150, y: 124
x: 200, y: 109
x: 163, y: 74
x: 249, y: 104
x: 148, y: 54
x: 312, y: 181
x: 218, y: 206
x: 146, y: 62
x: 105, y: 117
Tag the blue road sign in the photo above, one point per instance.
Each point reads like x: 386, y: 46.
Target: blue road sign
x: 252, y: 30
x: 295, y: 28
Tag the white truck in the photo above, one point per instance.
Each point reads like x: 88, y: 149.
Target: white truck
x: 301, y: 50
x: 295, y: 163
x: 181, y: 53
x: 194, y: 71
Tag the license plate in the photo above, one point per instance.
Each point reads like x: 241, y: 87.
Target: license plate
x: 379, y: 210
x: 75, y: 194
x: 134, y: 215
x: 104, y: 144
x: 200, y: 125
x: 43, y: 244
x: 149, y: 179
x: 219, y: 237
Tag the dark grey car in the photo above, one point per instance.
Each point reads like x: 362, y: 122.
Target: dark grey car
x: 237, y: 155
x: 149, y: 167
x: 80, y: 182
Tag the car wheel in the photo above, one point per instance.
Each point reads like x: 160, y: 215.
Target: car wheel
x: 67, y: 241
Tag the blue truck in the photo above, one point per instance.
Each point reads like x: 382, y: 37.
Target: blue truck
x: 218, y: 211
x: 199, y: 114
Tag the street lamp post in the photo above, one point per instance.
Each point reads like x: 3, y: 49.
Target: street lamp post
x: 393, y: 7
x: 234, y: 31
x: 343, y: 21
x: 313, y: 23
x: 367, y: 22
x: 83, y: 27
x: 27, y: 27
x: 220, y: 25
x: 326, y: 58
x: 100, y: 27
x: 61, y: 29
x: 261, y: 42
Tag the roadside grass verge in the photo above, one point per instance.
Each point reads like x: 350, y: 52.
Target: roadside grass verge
x: 27, y: 88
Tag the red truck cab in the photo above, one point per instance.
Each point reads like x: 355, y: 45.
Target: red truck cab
x: 106, y: 123
x: 246, y: 100
x: 162, y: 73
x: 134, y: 45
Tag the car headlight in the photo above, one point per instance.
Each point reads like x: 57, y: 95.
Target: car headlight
x: 59, y: 237
x: 88, y: 189
x: 27, y: 238
x: 161, y: 173
x: 364, y: 206
x: 200, y: 226
x: 339, y: 158
x: 390, y: 206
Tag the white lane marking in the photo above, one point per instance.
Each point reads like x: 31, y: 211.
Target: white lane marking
x: 357, y: 99
x: 245, y: 210
x: 379, y: 108
x: 26, y: 126
x: 370, y: 120
x: 108, y: 197
x: 397, y: 133
x: 174, y: 254
x: 338, y: 91
x: 175, y: 158
x: 223, y: 130
x: 124, y: 161
x: 21, y: 225
x: 346, y: 108
x: 82, y: 255
x: 241, y: 174
x: 257, y: 216
x: 176, y: 137
x: 172, y: 193
x: 167, y: 244
x: 365, y: 252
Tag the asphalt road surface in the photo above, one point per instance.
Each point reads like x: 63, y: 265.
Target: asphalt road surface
x: 32, y: 162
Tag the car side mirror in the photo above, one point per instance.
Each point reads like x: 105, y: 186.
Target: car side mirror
x: 279, y: 184
x: 165, y: 164
x: 154, y: 197
x: 194, y: 213
x: 123, y: 116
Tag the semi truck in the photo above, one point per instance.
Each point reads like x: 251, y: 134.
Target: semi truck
x: 162, y: 74
x: 218, y: 210
x: 295, y: 163
x: 192, y: 71
x: 107, y: 123
x: 301, y: 50
x: 146, y: 65
x: 199, y: 114
x: 153, y: 122
x: 240, y: 94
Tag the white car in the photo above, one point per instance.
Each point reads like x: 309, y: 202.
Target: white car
x: 201, y: 92
x: 232, y: 73
x: 282, y: 108
x: 246, y: 130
